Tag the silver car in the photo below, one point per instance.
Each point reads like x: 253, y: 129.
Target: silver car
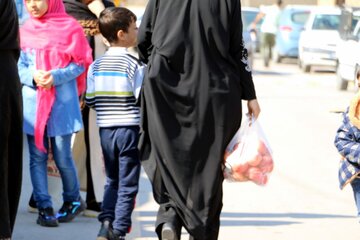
x: 317, y: 43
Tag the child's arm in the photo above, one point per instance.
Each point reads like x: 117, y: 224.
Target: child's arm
x: 66, y: 74
x: 90, y: 88
x: 25, y: 71
x: 346, y: 142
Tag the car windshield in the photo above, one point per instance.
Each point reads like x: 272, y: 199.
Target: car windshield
x: 326, y: 22
x: 300, y: 17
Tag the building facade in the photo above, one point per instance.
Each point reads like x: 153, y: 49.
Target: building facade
x: 257, y: 3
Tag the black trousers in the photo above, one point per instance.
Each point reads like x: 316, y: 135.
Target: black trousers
x: 11, y: 143
x: 90, y: 194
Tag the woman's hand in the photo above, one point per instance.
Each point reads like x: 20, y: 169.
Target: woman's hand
x: 253, y: 108
x: 96, y: 7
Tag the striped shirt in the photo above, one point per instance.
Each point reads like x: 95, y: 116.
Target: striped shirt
x: 110, y: 88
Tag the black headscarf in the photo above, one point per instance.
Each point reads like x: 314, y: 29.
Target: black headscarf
x: 9, y: 29
x: 80, y: 10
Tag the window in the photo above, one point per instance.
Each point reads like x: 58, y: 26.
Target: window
x: 300, y: 17
x: 326, y: 22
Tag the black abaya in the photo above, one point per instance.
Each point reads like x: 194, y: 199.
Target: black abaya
x: 10, y: 119
x: 191, y: 104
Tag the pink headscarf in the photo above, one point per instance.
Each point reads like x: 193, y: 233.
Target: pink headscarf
x: 58, y: 39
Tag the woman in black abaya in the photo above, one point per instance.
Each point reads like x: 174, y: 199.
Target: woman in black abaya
x: 197, y: 77
x: 10, y: 119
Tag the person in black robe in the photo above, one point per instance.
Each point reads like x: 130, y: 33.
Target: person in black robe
x: 196, y: 78
x: 10, y: 119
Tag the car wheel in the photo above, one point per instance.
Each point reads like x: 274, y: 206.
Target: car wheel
x: 306, y: 68
x: 277, y: 57
x: 342, y: 84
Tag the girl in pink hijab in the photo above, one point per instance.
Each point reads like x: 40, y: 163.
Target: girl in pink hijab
x: 54, y: 59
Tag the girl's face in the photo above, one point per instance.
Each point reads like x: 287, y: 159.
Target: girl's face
x: 37, y: 8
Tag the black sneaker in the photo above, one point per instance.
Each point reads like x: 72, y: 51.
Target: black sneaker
x: 70, y: 210
x: 106, y: 231
x: 119, y: 235
x: 47, y: 217
x: 32, y: 208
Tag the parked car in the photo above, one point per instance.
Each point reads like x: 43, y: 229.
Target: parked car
x: 248, y: 16
x: 318, y: 41
x: 250, y: 47
x: 348, y: 67
x: 291, y: 23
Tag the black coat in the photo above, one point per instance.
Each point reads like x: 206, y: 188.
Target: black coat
x: 10, y: 118
x: 191, y: 103
x: 9, y: 26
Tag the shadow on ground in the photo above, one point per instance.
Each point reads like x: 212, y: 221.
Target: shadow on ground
x: 245, y: 219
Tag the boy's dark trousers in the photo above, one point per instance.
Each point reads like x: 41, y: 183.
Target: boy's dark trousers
x: 122, y: 167
x: 11, y: 141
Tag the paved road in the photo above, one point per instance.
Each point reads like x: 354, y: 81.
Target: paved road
x: 302, y: 199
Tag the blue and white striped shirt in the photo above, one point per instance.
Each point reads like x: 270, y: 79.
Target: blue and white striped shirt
x: 110, y: 88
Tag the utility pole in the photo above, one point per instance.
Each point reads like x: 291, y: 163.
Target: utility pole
x: 340, y: 2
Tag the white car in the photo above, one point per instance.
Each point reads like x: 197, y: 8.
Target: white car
x: 318, y: 41
x: 348, y: 53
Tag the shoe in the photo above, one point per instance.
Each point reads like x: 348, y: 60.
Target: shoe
x: 168, y: 232
x: 106, y: 231
x: 32, y: 207
x: 119, y: 235
x: 92, y: 210
x: 47, y: 217
x: 70, y: 210
x: 91, y: 213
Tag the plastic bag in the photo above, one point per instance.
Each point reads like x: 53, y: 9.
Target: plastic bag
x: 248, y: 156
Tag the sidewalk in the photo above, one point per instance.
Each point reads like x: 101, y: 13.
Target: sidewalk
x: 81, y: 227
x: 286, y: 209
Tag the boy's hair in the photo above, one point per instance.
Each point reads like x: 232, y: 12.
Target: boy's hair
x: 114, y: 19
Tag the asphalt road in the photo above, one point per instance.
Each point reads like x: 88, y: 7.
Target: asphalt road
x: 302, y: 199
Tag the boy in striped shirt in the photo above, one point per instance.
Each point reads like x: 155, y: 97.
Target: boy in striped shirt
x: 110, y: 92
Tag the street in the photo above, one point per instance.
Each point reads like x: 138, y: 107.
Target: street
x: 302, y: 199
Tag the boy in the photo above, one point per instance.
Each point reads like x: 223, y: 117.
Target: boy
x: 110, y: 93
x: 347, y: 142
